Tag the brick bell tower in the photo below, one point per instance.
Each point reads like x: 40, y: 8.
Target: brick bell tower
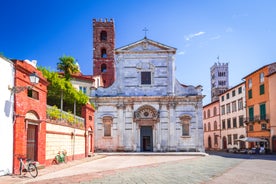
x: 104, y: 50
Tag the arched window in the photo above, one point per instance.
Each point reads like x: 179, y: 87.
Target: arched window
x: 209, y: 126
x: 103, y: 53
x: 205, y: 127
x: 215, y: 125
x: 103, y: 36
x: 215, y: 111
x: 103, y: 68
x: 208, y: 113
x: 204, y: 114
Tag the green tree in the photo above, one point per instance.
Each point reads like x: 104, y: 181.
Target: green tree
x: 70, y: 94
x: 68, y: 65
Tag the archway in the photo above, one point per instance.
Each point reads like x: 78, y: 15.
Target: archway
x: 242, y: 143
x: 32, y: 125
x: 90, y: 141
x: 209, y: 142
x: 274, y: 144
x: 146, y: 117
x: 224, y: 143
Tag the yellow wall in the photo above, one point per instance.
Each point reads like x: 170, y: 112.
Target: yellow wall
x: 59, y: 138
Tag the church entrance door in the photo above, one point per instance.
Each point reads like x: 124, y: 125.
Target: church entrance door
x: 146, y: 138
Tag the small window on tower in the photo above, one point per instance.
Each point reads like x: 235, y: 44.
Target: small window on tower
x: 103, y: 68
x: 33, y: 94
x: 103, y: 53
x: 103, y: 36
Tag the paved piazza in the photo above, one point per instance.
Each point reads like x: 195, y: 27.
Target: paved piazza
x: 213, y: 168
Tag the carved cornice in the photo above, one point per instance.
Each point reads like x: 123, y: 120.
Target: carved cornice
x: 171, y: 105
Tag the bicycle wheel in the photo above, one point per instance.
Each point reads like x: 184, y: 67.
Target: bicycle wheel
x: 23, y: 170
x: 32, y: 170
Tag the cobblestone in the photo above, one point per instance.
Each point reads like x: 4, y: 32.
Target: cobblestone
x: 213, y: 169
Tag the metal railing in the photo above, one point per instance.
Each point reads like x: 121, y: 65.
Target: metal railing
x: 54, y: 113
x: 264, y: 117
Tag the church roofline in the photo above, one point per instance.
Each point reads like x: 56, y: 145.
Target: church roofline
x: 145, y: 39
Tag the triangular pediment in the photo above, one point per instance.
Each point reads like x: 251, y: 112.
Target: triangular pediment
x: 146, y: 45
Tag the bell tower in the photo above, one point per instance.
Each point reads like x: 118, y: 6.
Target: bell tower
x: 104, y: 50
x: 219, y: 80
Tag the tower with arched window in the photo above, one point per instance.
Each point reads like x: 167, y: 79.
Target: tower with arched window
x: 219, y: 80
x: 103, y: 50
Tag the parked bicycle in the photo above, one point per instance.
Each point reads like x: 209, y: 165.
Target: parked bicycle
x: 28, y: 166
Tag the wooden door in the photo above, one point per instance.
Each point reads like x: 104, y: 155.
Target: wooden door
x: 90, y: 141
x: 274, y: 144
x: 146, y: 138
x: 32, y: 142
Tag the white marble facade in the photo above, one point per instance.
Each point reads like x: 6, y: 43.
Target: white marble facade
x: 146, y: 108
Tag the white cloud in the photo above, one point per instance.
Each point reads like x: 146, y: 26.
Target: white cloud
x: 215, y: 37
x: 190, y: 36
x: 181, y: 53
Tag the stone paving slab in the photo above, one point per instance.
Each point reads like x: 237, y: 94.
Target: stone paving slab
x: 221, y: 168
x: 257, y: 171
x: 109, y: 164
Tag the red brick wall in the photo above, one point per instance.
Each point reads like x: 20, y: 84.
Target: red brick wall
x: 88, y: 115
x: 23, y: 105
x: 109, y: 45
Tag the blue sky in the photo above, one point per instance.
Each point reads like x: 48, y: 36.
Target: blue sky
x: 240, y: 32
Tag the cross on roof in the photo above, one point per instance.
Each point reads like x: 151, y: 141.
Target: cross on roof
x: 145, y: 29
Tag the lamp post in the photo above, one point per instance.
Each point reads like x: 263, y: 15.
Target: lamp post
x: 34, y: 79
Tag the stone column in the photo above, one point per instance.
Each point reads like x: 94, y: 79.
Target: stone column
x: 172, y: 122
x: 121, y: 126
x: 171, y: 74
x: 138, y: 138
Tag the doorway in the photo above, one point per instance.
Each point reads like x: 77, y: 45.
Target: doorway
x: 146, y: 141
x: 224, y: 143
x: 32, y: 142
x: 90, y: 144
x: 209, y: 142
x: 274, y: 144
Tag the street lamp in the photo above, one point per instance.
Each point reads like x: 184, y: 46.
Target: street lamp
x: 34, y: 79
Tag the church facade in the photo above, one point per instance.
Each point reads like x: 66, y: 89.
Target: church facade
x: 146, y: 108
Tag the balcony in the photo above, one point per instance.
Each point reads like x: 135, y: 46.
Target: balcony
x: 258, y: 119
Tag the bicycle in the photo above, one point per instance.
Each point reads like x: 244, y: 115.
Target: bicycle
x: 29, y: 166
